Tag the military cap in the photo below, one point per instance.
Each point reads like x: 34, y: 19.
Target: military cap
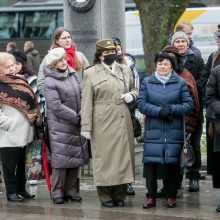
x: 105, y: 44
x: 217, y: 33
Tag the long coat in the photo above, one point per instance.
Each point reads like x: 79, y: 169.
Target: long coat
x: 62, y: 94
x: 108, y: 119
x: 163, y: 139
x: 213, y: 102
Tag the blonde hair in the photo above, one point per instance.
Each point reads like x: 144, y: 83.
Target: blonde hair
x: 5, y: 57
x: 56, y: 35
x: 181, y: 26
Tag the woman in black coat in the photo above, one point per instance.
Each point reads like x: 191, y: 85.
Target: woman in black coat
x: 213, y: 102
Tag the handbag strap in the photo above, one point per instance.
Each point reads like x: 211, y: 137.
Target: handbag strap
x: 185, y: 139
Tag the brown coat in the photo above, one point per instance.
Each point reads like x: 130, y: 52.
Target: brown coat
x: 108, y: 119
x: 191, y: 119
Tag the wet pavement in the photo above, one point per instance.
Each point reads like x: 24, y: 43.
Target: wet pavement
x: 199, y: 205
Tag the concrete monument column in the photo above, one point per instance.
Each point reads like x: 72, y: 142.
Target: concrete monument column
x: 104, y: 19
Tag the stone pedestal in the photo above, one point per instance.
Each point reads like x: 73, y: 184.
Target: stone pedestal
x: 106, y: 19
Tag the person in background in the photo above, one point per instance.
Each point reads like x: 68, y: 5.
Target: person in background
x: 187, y: 28
x: 33, y: 56
x: 29, y: 74
x: 213, y: 102
x: 18, y: 113
x: 128, y: 60
x: 62, y: 38
x: 62, y: 94
x: 195, y: 65
x: 164, y: 99
x: 212, y: 157
x: 11, y: 46
x: 108, y: 89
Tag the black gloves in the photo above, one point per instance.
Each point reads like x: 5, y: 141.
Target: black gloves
x: 165, y: 113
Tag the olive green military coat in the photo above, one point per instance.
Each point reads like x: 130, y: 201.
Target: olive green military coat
x: 108, y: 119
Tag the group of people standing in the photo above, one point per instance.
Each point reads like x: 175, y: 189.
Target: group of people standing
x: 95, y: 103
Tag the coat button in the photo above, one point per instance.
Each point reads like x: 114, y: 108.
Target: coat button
x: 122, y: 116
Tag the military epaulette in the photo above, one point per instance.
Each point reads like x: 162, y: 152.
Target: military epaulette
x: 89, y: 67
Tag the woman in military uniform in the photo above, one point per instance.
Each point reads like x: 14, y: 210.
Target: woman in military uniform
x: 108, y: 89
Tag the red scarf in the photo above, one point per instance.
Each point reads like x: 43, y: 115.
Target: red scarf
x: 70, y: 53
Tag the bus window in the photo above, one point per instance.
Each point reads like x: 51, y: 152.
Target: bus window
x: 9, y: 25
x: 37, y: 24
x: 60, y: 20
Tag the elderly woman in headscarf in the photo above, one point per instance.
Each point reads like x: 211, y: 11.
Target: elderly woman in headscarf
x: 18, y: 112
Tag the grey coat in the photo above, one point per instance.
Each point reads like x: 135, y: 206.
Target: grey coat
x: 62, y: 94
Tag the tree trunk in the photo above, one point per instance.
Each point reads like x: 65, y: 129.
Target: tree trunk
x: 158, y: 19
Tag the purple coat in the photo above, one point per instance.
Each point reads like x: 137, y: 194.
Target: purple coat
x: 62, y: 94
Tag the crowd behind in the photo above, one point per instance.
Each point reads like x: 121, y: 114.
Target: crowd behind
x: 80, y: 105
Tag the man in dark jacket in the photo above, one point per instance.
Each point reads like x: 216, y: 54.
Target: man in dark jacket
x: 213, y: 61
x: 195, y: 65
x: 33, y: 56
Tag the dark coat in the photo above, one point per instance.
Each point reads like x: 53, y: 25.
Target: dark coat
x: 162, y: 139
x: 62, y: 94
x: 213, y: 102
x: 33, y: 59
x: 195, y: 65
x: 212, y: 157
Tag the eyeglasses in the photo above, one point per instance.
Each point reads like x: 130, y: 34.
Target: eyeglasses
x: 65, y: 38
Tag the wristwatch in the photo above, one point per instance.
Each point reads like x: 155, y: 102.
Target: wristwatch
x: 81, y: 5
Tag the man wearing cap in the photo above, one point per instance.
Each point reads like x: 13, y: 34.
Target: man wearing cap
x: 105, y: 119
x: 210, y: 68
x: 195, y: 65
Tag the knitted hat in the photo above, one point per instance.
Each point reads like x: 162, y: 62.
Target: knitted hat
x: 19, y: 56
x: 217, y: 33
x: 54, y: 56
x: 171, y: 49
x: 164, y: 55
x: 179, y: 34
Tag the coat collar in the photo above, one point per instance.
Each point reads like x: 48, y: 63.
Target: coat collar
x: 100, y: 68
x: 174, y: 78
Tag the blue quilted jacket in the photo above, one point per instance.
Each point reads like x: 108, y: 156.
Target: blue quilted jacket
x: 163, y: 139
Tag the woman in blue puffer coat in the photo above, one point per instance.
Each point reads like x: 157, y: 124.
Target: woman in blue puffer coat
x: 163, y: 99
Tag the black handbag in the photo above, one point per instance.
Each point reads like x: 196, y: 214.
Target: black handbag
x: 187, y: 156
x: 135, y: 121
x: 136, y: 126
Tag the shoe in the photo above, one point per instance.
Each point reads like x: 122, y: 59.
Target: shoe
x: 171, y: 203
x: 193, y: 186
x: 202, y: 176
x: 14, y: 198
x: 58, y: 200
x: 75, y: 198
x: 218, y: 208
x: 119, y: 203
x: 161, y: 193
x: 179, y: 193
x: 26, y: 195
x: 130, y: 190
x: 108, y: 204
x: 149, y: 203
